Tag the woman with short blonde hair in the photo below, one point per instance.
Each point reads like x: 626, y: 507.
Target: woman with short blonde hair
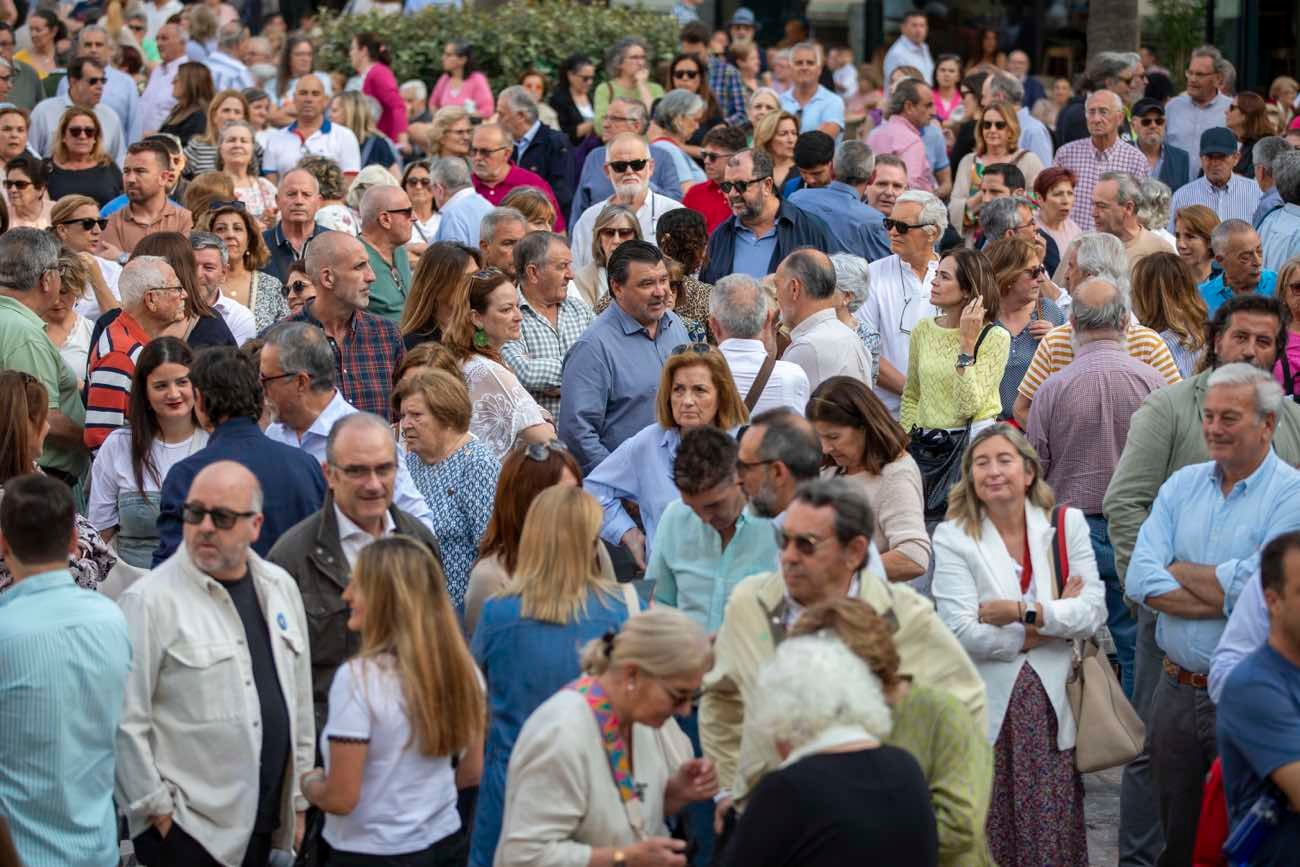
x: 615, y: 224
x: 533, y: 204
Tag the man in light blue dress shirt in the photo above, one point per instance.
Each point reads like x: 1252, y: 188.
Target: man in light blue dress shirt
x: 64, y: 658
x: 910, y: 49
x: 462, y: 207
x: 120, y: 93
x: 1279, y: 231
x: 815, y: 106
x: 1193, y: 558
x: 833, y: 191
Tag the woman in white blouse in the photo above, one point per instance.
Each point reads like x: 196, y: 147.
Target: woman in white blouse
x: 126, y: 477
x: 487, y: 317
x: 75, y: 221
x: 996, y: 588
x: 592, y: 777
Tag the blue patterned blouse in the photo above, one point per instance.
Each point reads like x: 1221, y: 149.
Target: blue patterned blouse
x: 459, y: 490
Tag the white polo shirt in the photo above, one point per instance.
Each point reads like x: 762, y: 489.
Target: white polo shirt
x: 898, y: 301
x: 333, y: 140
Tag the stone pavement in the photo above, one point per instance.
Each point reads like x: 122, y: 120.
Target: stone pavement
x: 1101, y: 814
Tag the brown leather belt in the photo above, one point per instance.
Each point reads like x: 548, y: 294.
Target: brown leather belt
x: 1182, y: 675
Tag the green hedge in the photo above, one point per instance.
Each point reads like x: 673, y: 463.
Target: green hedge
x: 507, y: 39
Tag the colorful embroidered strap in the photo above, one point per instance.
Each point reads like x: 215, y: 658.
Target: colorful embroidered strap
x: 615, y: 749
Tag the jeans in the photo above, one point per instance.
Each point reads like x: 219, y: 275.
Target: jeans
x: 1140, y: 835
x: 1119, y: 620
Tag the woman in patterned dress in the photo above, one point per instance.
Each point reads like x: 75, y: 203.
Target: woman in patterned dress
x: 233, y: 223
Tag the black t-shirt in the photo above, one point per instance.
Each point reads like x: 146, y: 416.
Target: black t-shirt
x: 836, y: 809
x: 275, y: 714
x: 102, y: 183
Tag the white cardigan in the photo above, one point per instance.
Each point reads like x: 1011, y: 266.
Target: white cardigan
x: 969, y: 571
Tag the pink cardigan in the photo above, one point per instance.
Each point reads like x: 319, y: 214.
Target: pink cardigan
x: 474, y: 88
x: 381, y: 84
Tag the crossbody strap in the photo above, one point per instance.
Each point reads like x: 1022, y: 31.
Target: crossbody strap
x: 984, y: 332
x: 620, y: 765
x: 1060, y: 551
x: 760, y: 382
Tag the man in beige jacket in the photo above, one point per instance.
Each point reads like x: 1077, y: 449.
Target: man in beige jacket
x: 824, y: 541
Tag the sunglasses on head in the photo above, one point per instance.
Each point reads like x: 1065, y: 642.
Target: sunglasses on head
x: 993, y: 124
x: 223, y: 205
x: 740, y: 186
x: 222, y: 519
x: 697, y: 348
x: 86, y: 222
x: 620, y: 166
x: 541, y: 452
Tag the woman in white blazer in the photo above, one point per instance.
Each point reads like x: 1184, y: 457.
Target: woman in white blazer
x: 996, y: 589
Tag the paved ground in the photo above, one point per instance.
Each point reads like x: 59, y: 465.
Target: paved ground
x: 1101, y: 813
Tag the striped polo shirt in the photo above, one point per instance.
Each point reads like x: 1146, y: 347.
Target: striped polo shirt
x: 108, y: 386
x: 1057, y: 350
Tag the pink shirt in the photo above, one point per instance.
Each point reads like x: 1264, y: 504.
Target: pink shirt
x: 381, y: 84
x: 899, y: 137
x: 518, y: 177
x: 474, y: 89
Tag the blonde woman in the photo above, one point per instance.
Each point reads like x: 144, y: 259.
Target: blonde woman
x: 556, y: 600
x: 406, y: 716
x: 236, y: 152
x: 354, y: 110
x: 614, y: 225
x: 996, y: 589
x: 201, y: 150
x: 776, y: 135
x: 997, y: 140
x: 634, y: 680
x: 1167, y: 300
x: 67, y: 329
x: 75, y: 221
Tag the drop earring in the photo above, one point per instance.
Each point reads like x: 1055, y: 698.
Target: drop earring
x: 480, y: 338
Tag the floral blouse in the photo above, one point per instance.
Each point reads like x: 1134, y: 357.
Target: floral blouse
x: 502, y: 408
x: 268, y: 303
x: 89, y: 566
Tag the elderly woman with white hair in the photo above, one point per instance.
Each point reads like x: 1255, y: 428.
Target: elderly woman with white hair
x: 676, y: 117
x: 1153, y: 209
x: 852, y: 288
x: 841, y: 796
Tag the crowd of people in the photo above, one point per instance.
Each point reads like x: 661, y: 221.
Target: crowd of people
x: 728, y: 458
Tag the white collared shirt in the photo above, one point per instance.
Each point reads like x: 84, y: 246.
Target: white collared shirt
x: 352, y: 538
x: 239, y: 319
x: 283, y: 149
x: 898, y: 301
x: 583, y: 243
x: 905, y: 52
x: 786, y: 387
x: 157, y: 100
x: 824, y: 347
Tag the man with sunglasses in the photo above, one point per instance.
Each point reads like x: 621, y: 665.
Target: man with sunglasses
x: 824, y: 547
x: 146, y: 176
x: 624, y: 115
x: 718, y: 146
x: 217, y: 726
x: 385, y: 228
x: 763, y: 229
x: 1170, y: 165
x: 490, y: 152
x: 120, y: 92
x: 86, y: 78
x: 628, y: 165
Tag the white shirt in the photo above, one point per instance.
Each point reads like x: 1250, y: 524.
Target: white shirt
x: 898, y: 301
x: 87, y: 305
x: 352, y: 538
x: 111, y: 472
x: 156, y: 16
x: 333, y: 140
x: 824, y: 347
x: 239, y: 319
x: 405, y: 495
x: 228, y: 72
x: 157, y: 100
x: 648, y: 215
x: 905, y: 52
x: 786, y: 387
x: 45, y: 127
x: 846, y: 80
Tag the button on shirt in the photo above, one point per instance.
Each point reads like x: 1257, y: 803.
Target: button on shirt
x: 1185, y: 120
x: 691, y: 570
x: 1215, y: 291
x: 157, y: 100
x: 1279, y: 234
x: 1088, y: 164
x: 283, y: 149
x: 1236, y: 199
x: 824, y: 347
x: 537, y: 358
x: 365, y: 360
x: 786, y: 387
x: 898, y: 300
x: 61, y: 647
x: 352, y: 538
x: 1192, y: 521
x: 641, y: 470
x: 824, y: 107
x: 857, y: 226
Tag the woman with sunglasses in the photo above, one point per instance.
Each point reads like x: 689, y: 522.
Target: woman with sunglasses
x: 75, y: 221
x: 571, y: 98
x: 67, y: 329
x: 79, y: 163
x: 1248, y: 119
x: 454, y: 472
x: 997, y: 140
x: 1022, y: 310
x: 425, y: 217
x: 25, y: 189
x: 162, y: 430
x: 555, y: 598
x: 298, y: 290
x: 245, y: 281
x: 592, y: 734
x: 614, y: 225
x: 688, y: 72
x: 24, y: 424
x: 695, y: 389
x: 237, y: 158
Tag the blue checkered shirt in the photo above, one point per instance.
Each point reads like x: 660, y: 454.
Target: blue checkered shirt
x: 537, y: 358
x: 724, y: 81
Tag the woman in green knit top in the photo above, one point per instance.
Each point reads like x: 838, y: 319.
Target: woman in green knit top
x: 948, y: 382
x: 929, y: 722
x: 627, y: 66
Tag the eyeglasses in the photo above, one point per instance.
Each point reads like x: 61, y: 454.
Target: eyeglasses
x: 20, y: 185
x: 993, y: 124
x: 621, y: 234
x: 95, y: 82
x: 680, y: 696
x: 86, y: 223
x: 541, y: 452
x: 740, y: 186
x: 710, y: 156
x: 746, y: 466
x: 222, y: 519
x: 892, y: 225
x: 618, y: 118
x: 179, y: 290
x: 82, y: 132
x: 1151, y: 121
x: 427, y: 183
x: 357, y: 472
x: 405, y: 212
x: 806, y: 544
x: 689, y: 74
x: 265, y: 379
x: 620, y: 166
x: 487, y: 152
x: 588, y: 79
x: 697, y: 348
x: 297, y: 287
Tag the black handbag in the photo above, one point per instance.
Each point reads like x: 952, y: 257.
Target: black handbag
x: 938, y: 453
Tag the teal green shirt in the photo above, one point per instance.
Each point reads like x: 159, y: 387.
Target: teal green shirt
x: 24, y: 346
x: 392, y: 282
x: 694, y: 573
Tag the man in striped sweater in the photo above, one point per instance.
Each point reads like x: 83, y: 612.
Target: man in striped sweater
x: 152, y: 300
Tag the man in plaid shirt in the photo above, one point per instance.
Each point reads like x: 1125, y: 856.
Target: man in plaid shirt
x: 553, y: 320
x: 1103, y: 151
x: 724, y: 79
x: 366, y: 347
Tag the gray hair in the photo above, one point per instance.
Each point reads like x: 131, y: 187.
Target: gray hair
x: 418, y: 88
x: 848, y: 499
x: 636, y: 109
x: 907, y: 90
x: 677, y: 104
x: 1286, y: 175
x: 1107, y: 65
x: 933, y: 213
x: 1268, y: 394
x: 814, y: 47
x: 487, y: 227
x: 1128, y: 188
x: 1220, y: 65
x: 762, y: 91
x: 518, y: 99
x: 854, y: 162
x: 740, y: 306
x: 25, y: 255
x: 816, y: 274
x: 1267, y: 149
x: 1098, y: 254
x: 1001, y: 216
x: 1153, y: 203
x: 237, y: 124
x: 533, y: 249
x: 1006, y: 88
x: 790, y: 438
x: 93, y: 28
x: 356, y: 419
x: 230, y: 36
x: 209, y: 241
x: 617, y: 51
x: 1223, y: 233
x: 853, y: 278
x: 1116, y: 100
x: 812, y: 684
x: 304, y: 348
x: 1113, y: 315
x: 450, y: 173
x: 141, y: 274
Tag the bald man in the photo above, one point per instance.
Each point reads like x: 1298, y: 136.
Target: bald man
x: 369, y: 346
x: 385, y: 229
x: 217, y: 726
x: 311, y: 134
x: 297, y: 200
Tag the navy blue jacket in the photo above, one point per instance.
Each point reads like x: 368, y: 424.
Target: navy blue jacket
x: 293, y: 485
x: 548, y: 156
x: 795, y: 228
x: 1176, y: 169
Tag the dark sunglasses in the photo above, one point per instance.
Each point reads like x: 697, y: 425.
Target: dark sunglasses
x: 586, y: 78
x: 621, y: 234
x: 741, y: 187
x: 86, y: 222
x: 427, y: 183
x: 222, y: 519
x: 541, y: 452
x: 899, y: 226
x: 1151, y: 121
x: 697, y: 348
x: 82, y: 132
x: 1036, y: 271
x: 94, y: 82
x: 405, y: 212
x: 690, y: 74
x: 297, y: 287
x: 993, y: 124
x: 19, y: 185
x: 710, y: 156
x: 223, y: 205
x: 620, y: 166
x: 805, y: 544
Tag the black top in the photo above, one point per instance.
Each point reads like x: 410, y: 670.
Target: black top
x: 188, y: 127
x: 275, y: 713
x: 566, y: 112
x: 103, y: 183
x: 377, y: 150
x: 836, y: 809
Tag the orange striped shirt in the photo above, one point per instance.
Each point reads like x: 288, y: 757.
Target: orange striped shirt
x: 1057, y: 350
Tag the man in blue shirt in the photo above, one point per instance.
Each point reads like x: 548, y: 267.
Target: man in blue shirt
x: 1259, y: 716
x: 611, y: 373
x: 1193, y: 557
x: 834, y: 182
x: 64, y: 658
x: 814, y: 105
x: 1240, y: 255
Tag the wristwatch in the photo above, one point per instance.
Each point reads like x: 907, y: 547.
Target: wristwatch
x: 1031, y: 616
x: 964, y: 360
